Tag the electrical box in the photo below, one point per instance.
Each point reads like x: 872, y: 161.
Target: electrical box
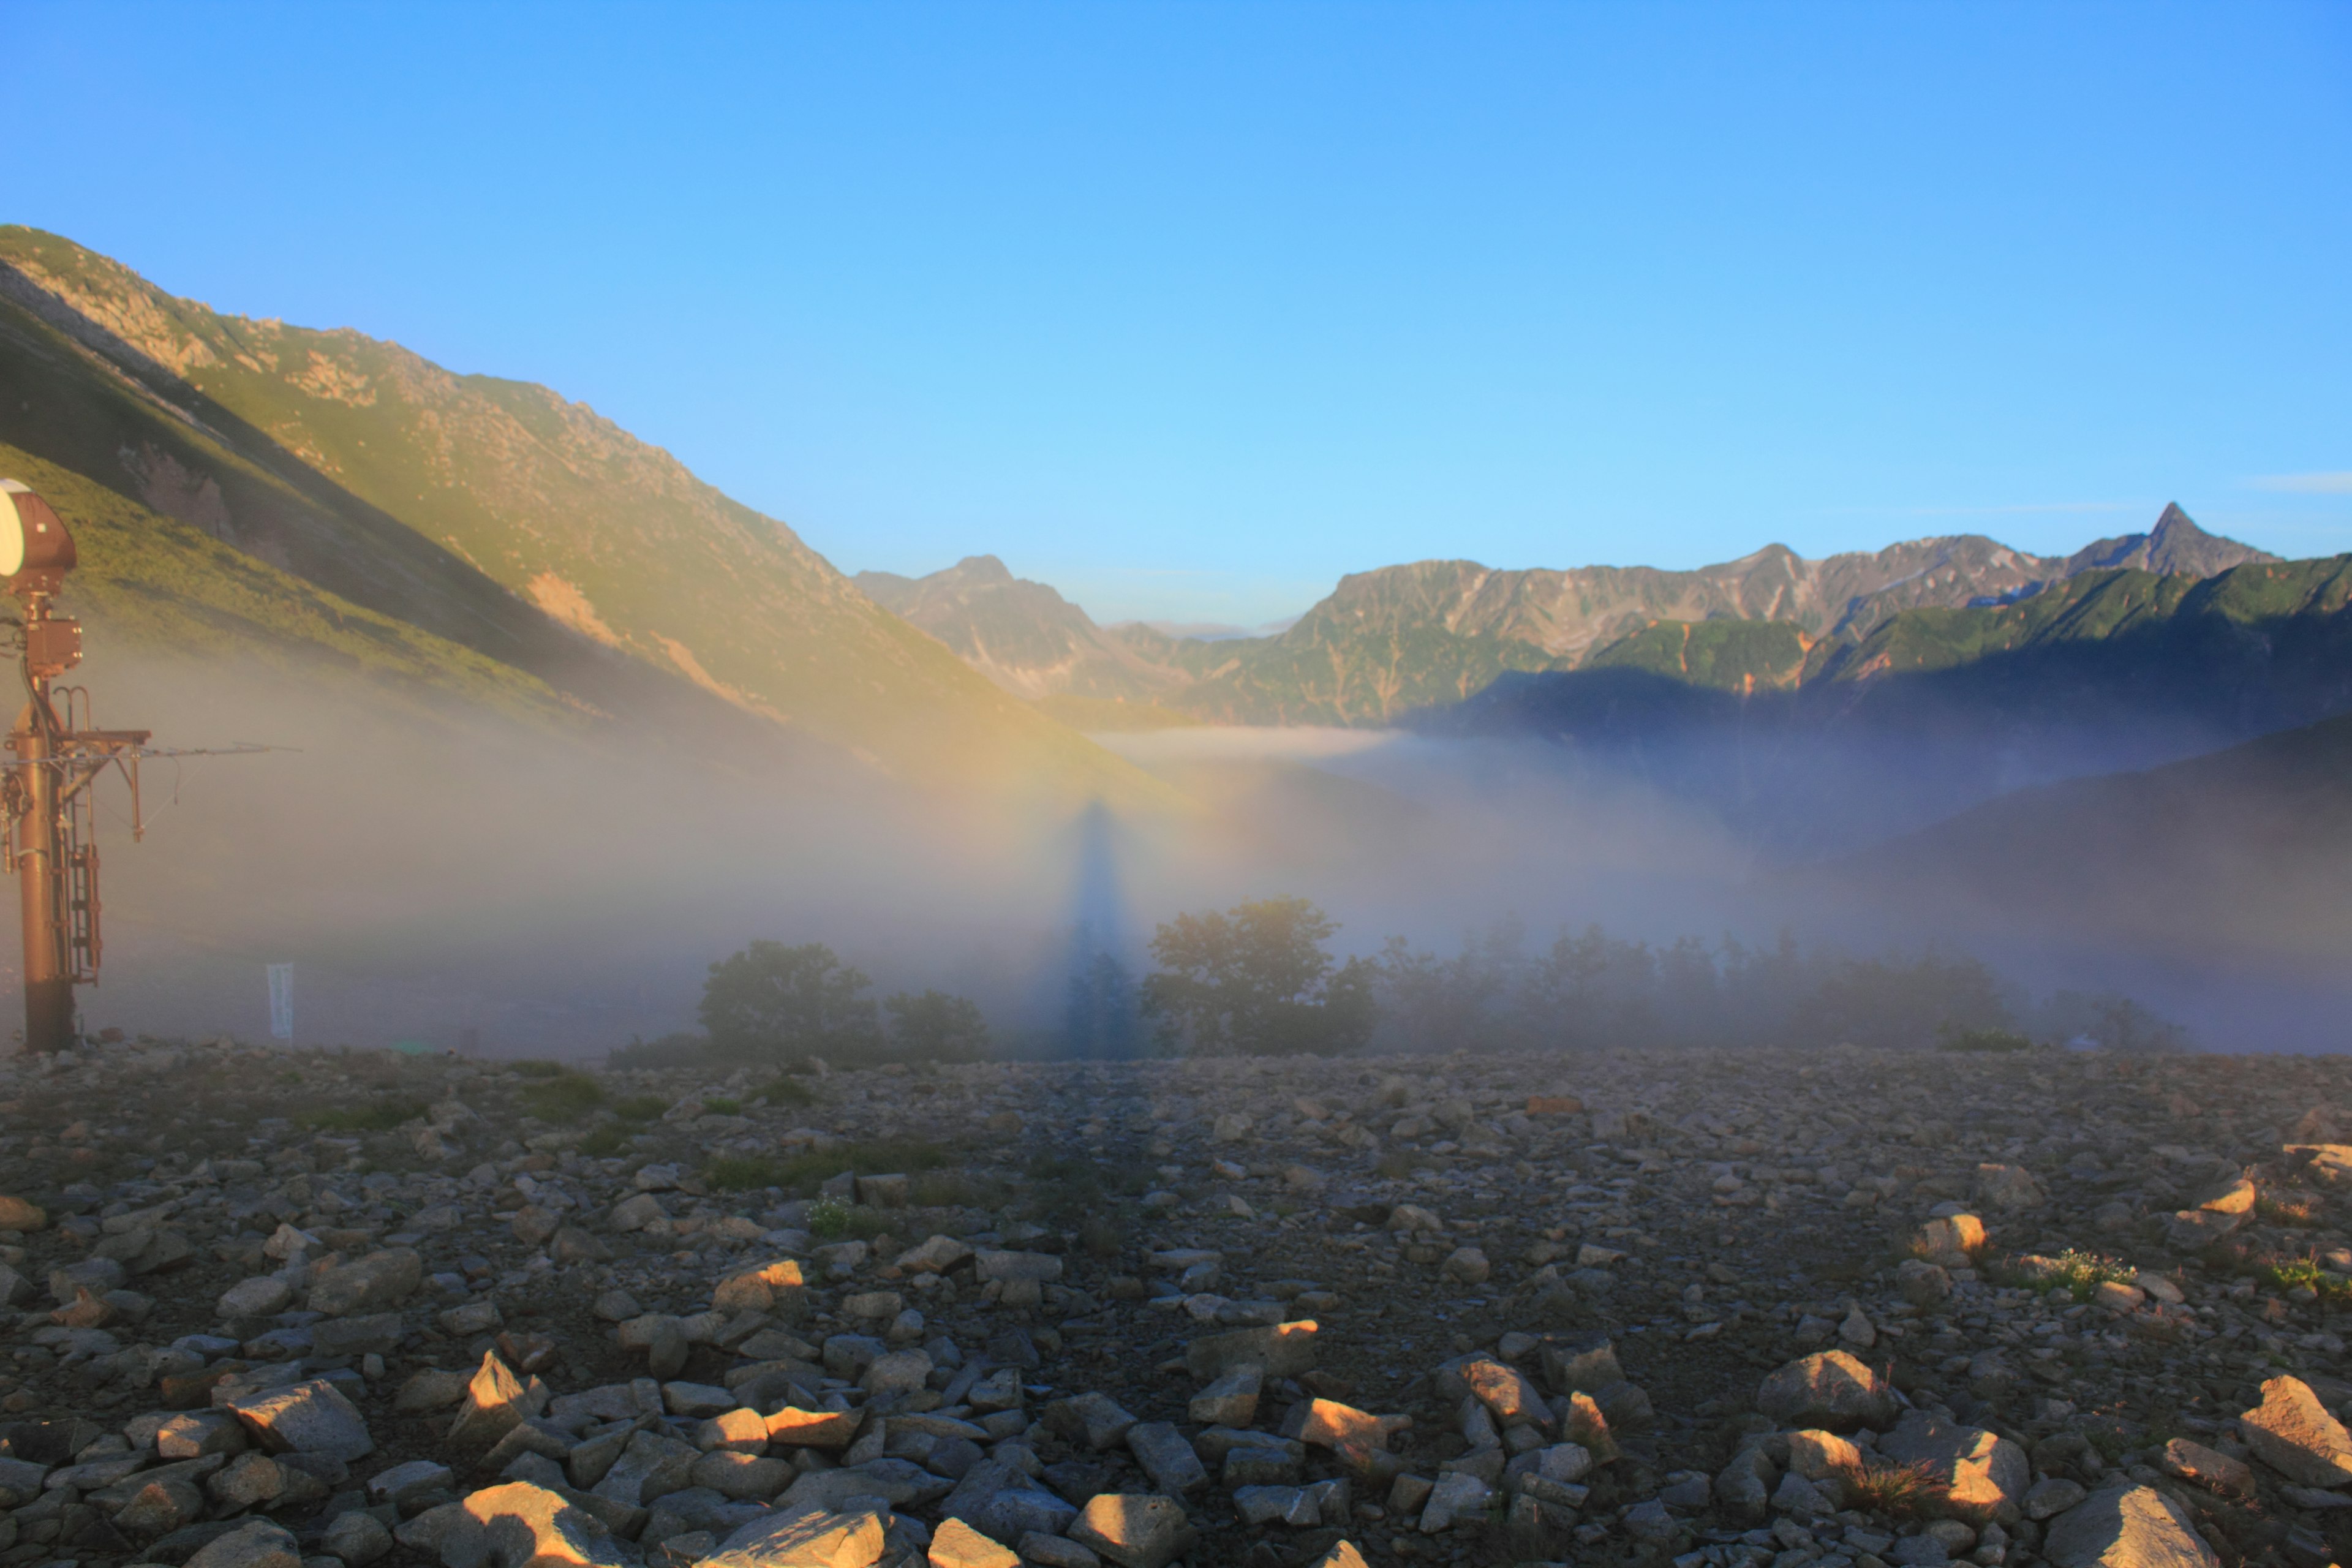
x: 53, y: 647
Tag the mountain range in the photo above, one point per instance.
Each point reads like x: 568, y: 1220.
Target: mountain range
x: 1406, y: 639
x: 327, y: 499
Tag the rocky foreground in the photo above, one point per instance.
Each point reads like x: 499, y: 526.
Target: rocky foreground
x: 274, y: 1310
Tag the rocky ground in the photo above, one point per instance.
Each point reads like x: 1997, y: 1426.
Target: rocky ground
x: 270, y: 1310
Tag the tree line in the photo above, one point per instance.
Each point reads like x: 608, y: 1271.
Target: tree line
x: 1260, y: 979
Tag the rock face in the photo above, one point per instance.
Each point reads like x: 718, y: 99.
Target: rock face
x: 2126, y: 1527
x: 1829, y: 1389
x: 2292, y: 1431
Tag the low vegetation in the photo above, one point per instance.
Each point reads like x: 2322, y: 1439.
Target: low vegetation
x: 376, y: 1116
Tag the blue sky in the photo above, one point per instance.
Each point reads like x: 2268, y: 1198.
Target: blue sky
x: 1189, y: 310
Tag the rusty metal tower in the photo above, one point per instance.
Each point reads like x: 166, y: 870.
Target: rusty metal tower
x: 47, y: 794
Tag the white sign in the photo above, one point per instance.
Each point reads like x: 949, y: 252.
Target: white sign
x: 281, y: 1001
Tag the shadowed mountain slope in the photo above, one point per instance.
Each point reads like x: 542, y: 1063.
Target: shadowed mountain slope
x: 498, y: 516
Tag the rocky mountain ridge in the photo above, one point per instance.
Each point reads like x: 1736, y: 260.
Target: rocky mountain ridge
x: 1430, y: 633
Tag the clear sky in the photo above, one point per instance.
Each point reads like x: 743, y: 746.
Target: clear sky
x: 1190, y: 309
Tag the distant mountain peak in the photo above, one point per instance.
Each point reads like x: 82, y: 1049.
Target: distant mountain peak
x: 2174, y: 547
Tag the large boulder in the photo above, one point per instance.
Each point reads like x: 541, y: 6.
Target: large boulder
x: 2291, y: 1431
x: 527, y: 1525
x: 257, y: 1543
x: 1829, y: 1389
x: 818, y: 1539
x: 1133, y: 1531
x: 2126, y: 1527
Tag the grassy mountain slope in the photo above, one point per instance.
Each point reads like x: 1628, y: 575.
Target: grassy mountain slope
x: 155, y: 584
x: 498, y: 515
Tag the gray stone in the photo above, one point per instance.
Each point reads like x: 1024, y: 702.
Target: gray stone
x: 1166, y: 1458
x: 377, y: 1282
x: 1132, y: 1531
x: 312, y: 1418
x: 2293, y: 1433
x: 1829, y: 1389
x: 2126, y: 1527
x: 258, y: 1543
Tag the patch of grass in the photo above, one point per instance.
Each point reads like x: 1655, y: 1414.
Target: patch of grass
x: 382, y: 1116
x: 1071, y: 1189
x: 864, y: 1223
x: 878, y: 1157
x: 1896, y: 1492
x: 1985, y: 1040
x: 537, y: 1070
x: 2293, y: 1273
x: 744, y: 1173
x: 2288, y: 1207
x: 2079, y: 1274
x: 785, y: 1090
x: 827, y: 1218
x: 605, y: 1140
x: 722, y: 1107
x: 640, y: 1108
x: 566, y: 1098
x: 942, y: 1189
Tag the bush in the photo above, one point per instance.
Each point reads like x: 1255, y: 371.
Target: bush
x: 640, y: 1108
x: 936, y: 1026
x: 769, y: 1001
x: 1256, y: 980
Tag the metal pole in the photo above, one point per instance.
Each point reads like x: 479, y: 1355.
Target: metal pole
x: 49, y: 989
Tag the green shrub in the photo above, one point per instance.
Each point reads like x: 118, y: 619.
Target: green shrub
x: 2293, y: 1273
x: 722, y: 1107
x: 537, y: 1070
x: 563, y: 1099
x: 744, y: 1174
x: 785, y: 1090
x: 604, y: 1140
x: 827, y: 1218
x: 640, y: 1108
x: 1984, y: 1040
